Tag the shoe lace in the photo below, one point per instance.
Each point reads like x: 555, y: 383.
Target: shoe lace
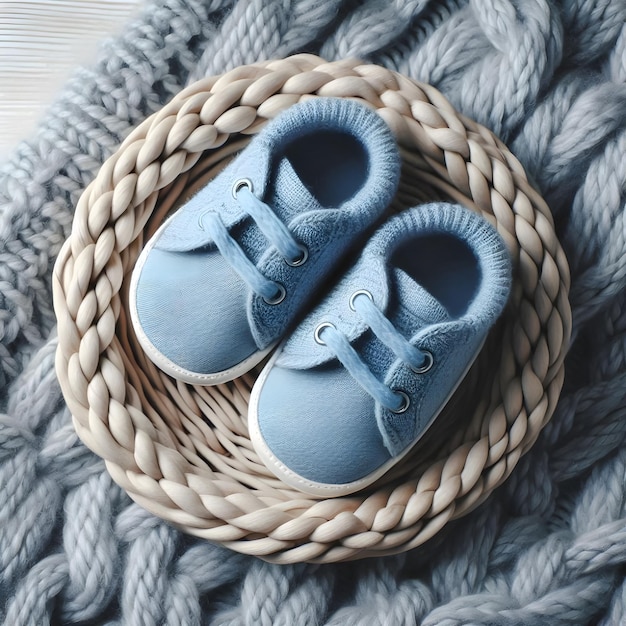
x: 420, y: 361
x: 293, y: 252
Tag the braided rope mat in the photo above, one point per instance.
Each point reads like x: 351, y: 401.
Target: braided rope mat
x: 183, y: 452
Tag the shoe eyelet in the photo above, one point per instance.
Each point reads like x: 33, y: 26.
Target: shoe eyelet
x: 301, y: 259
x: 318, y: 330
x: 359, y: 292
x: 239, y: 184
x: 427, y: 365
x: 278, y: 298
x: 405, y: 404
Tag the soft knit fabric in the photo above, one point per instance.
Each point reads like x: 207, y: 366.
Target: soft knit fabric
x: 549, y: 546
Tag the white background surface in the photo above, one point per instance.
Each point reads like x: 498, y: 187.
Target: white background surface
x: 41, y: 41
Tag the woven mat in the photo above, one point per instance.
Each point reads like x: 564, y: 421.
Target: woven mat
x: 183, y: 452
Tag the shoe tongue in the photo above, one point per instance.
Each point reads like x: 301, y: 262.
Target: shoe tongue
x: 288, y: 198
x: 287, y: 194
x: 410, y: 305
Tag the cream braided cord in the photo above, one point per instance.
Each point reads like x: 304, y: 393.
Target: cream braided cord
x: 183, y: 452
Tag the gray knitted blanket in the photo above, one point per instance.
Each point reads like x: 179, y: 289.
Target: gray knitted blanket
x: 549, y: 546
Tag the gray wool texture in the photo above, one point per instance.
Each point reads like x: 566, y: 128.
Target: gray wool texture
x: 549, y: 547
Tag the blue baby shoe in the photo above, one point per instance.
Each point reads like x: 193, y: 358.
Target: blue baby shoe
x: 224, y: 278
x: 364, y: 375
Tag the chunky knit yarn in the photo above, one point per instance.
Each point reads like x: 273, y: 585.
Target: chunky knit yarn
x: 549, y: 546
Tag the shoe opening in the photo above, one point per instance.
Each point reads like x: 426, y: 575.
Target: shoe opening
x: 443, y: 265
x: 332, y: 165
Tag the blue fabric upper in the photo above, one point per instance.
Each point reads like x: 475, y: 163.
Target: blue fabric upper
x: 327, y: 168
x: 437, y: 250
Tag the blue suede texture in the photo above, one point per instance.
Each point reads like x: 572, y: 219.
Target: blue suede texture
x: 434, y: 243
x: 299, y: 438
x: 328, y: 168
x: 180, y: 325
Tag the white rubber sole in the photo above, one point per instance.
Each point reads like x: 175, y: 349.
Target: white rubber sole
x: 324, y: 490
x: 158, y: 358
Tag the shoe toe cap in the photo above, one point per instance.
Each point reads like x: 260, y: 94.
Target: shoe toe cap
x: 320, y: 426
x: 191, y: 309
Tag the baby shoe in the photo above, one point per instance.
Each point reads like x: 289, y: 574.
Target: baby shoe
x: 226, y: 275
x: 366, y: 372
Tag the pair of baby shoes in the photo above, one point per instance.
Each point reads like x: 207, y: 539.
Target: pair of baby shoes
x: 374, y: 337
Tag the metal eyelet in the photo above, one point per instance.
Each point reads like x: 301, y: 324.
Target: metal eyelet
x: 240, y: 184
x: 359, y: 292
x: 427, y: 365
x: 320, y: 327
x: 278, y: 298
x: 405, y: 404
x: 301, y: 259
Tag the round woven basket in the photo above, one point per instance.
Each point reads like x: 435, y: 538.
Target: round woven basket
x: 183, y: 452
